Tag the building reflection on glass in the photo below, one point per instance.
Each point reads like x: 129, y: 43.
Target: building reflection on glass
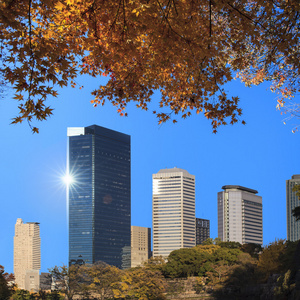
x: 99, y: 201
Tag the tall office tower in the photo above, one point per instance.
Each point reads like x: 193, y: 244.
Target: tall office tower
x: 140, y: 245
x: 99, y: 196
x: 27, y: 255
x: 173, y: 211
x: 202, y: 230
x: 240, y: 215
x: 292, y: 201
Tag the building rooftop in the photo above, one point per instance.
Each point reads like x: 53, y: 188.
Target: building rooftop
x: 238, y: 187
x: 173, y: 170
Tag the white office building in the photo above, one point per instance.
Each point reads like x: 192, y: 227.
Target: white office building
x: 240, y: 215
x: 173, y: 211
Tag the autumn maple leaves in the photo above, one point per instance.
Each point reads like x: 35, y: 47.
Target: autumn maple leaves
x: 185, y: 49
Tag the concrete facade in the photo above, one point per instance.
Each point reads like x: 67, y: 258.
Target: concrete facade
x: 45, y: 281
x: 240, y: 215
x: 292, y: 201
x: 27, y: 255
x: 32, y: 280
x: 173, y: 211
x: 140, y: 245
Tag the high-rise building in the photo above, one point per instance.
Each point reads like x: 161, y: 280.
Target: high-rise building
x: 240, y: 215
x: 292, y: 201
x: 99, y: 196
x: 202, y: 230
x: 140, y: 245
x: 27, y: 255
x: 173, y: 211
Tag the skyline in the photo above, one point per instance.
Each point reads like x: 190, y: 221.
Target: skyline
x: 261, y: 155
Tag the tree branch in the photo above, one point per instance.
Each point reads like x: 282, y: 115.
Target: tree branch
x: 247, y: 17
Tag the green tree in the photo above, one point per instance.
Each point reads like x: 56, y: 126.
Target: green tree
x: 144, y: 284
x: 200, y: 260
x: 4, y: 289
x: 232, y: 245
x: 211, y: 241
x: 184, y: 262
x: 155, y: 263
x: 252, y: 249
x: 54, y: 295
x: 175, y: 287
x: 22, y: 295
x: 42, y: 295
x: 102, y: 279
x: 67, y: 280
x: 244, y: 271
x: 296, y: 210
x: 276, y: 258
x: 240, y: 280
x: 222, y: 260
x: 288, y: 284
x: 227, y: 255
x: 208, y: 241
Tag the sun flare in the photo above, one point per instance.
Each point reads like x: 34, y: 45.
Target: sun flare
x: 68, y: 179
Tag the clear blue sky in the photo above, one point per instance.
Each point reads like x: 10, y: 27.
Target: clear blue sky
x: 260, y: 155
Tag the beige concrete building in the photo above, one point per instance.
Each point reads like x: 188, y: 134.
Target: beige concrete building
x: 27, y: 255
x: 32, y: 280
x: 240, y: 215
x: 173, y: 211
x: 140, y: 245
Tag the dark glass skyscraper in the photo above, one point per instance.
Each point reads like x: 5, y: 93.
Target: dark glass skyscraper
x: 202, y: 230
x: 99, y: 196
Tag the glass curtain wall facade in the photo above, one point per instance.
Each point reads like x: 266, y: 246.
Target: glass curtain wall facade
x: 173, y: 211
x: 99, y: 196
x: 292, y: 201
x: 240, y: 215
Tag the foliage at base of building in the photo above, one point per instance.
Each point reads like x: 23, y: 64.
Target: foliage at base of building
x: 215, y: 271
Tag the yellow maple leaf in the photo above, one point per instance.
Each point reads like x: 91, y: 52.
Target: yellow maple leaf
x: 59, y: 6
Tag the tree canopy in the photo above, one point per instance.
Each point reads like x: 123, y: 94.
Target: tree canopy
x: 199, y: 260
x: 186, y: 49
x: 226, y: 271
x: 296, y: 210
x: 102, y: 281
x: 6, y: 284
